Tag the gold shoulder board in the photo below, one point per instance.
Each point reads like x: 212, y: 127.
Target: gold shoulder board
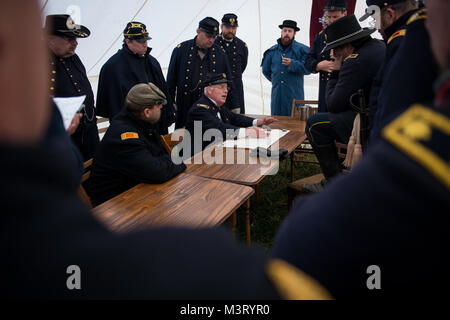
x: 416, y: 133
x: 399, y: 33
x: 352, y: 56
x: 203, y: 106
x: 419, y: 15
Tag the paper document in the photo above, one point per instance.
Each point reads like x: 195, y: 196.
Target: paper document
x: 68, y: 107
x: 251, y: 143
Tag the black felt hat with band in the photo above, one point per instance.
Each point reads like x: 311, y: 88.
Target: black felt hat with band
x: 343, y: 31
x: 230, y: 19
x: 289, y: 24
x: 209, y: 25
x: 335, y: 5
x: 135, y: 30
x: 63, y: 25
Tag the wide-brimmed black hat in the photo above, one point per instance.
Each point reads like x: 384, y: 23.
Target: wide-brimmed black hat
x: 380, y: 3
x: 289, y: 24
x: 343, y: 31
x: 63, y: 25
x: 209, y: 25
x: 230, y: 19
x: 335, y: 5
x: 215, y: 78
x: 135, y: 30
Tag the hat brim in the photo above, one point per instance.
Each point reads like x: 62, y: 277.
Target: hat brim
x: 80, y: 32
x: 214, y: 33
x: 220, y: 81
x: 347, y: 39
x: 281, y: 26
x: 230, y: 25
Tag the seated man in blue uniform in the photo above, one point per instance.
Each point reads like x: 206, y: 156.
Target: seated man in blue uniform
x: 69, y: 78
x: 208, y: 113
x: 357, y: 58
x: 131, y: 151
x: 387, y: 235
x: 318, y: 61
x: 131, y: 65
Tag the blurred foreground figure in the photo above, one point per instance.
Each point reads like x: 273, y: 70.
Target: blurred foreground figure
x: 52, y: 247
x: 382, y: 230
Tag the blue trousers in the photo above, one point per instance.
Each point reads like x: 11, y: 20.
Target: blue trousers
x: 319, y: 130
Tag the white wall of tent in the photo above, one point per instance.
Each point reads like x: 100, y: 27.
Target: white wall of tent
x: 173, y: 21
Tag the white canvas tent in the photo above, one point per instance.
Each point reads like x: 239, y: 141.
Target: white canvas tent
x: 172, y: 21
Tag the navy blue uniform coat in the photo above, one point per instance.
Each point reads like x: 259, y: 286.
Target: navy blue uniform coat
x: 187, y: 73
x: 312, y: 59
x: 130, y: 153
x: 206, y: 112
x: 237, y: 53
x: 120, y: 73
x: 357, y: 72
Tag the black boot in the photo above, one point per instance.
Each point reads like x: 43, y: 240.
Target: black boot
x: 329, y: 163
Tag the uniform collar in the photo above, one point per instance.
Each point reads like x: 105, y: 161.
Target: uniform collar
x: 127, y: 50
x: 399, y: 23
x: 226, y: 40
x: 141, y: 124
x: 205, y: 51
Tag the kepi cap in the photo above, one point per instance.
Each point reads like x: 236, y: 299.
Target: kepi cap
x: 135, y: 30
x: 230, y: 19
x: 209, y: 25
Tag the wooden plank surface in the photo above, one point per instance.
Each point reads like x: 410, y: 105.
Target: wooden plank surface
x: 249, y: 172
x: 231, y: 164
x: 185, y: 201
x: 284, y: 122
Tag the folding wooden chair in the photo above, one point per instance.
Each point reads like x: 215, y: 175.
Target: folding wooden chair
x: 167, y: 141
x: 298, y: 113
x: 102, y: 124
x: 81, y: 191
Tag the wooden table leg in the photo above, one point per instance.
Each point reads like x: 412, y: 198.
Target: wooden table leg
x: 247, y: 221
x: 233, y: 222
x: 292, y: 166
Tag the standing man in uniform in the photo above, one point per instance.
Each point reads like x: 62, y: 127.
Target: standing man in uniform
x: 237, y: 53
x: 131, y: 151
x: 190, y: 62
x: 284, y: 66
x: 131, y: 65
x: 357, y: 59
x: 69, y: 78
x: 318, y: 61
x: 409, y: 64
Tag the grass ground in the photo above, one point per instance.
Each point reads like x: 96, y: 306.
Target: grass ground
x: 268, y: 212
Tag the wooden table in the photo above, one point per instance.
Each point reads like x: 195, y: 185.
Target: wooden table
x: 284, y: 122
x: 247, y: 173
x: 184, y: 201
